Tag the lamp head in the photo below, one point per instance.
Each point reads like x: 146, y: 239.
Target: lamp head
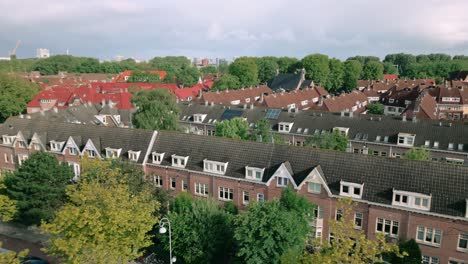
x: 162, y: 230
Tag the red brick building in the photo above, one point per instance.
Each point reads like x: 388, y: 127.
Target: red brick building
x: 404, y: 199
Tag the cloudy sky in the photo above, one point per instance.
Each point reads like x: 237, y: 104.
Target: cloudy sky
x: 215, y: 28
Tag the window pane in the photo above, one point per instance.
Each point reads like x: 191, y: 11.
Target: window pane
x: 420, y: 233
x: 429, y: 235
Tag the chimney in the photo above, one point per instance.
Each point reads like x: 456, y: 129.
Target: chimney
x: 55, y: 109
x: 245, y: 106
x: 251, y: 106
x: 351, y: 114
x: 206, y: 103
x: 103, y: 102
x: 200, y: 93
x: 261, y: 98
x: 342, y: 113
x: 22, y: 116
x: 403, y: 118
x: 320, y: 102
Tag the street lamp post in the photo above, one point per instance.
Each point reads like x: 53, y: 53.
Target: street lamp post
x: 162, y: 230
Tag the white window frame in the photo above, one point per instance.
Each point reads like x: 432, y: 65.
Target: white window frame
x: 314, y: 190
x: 385, y: 222
x: 254, y: 173
x: 134, y: 155
x: 112, y: 153
x: 8, y: 140
x: 430, y: 260
x: 157, y: 157
x: 215, y: 166
x: 198, y: 118
x: 282, y: 181
x: 173, y: 181
x: 157, y: 180
x: 56, y: 146
x: 201, y: 189
x: 245, y: 194
x: 260, y: 197
x: 76, y: 169
x: 408, y: 139
x: 429, y: 232
x: 351, y: 187
x: 22, y: 158
x: 343, y: 130
x: 360, y: 216
x: 462, y: 236
x: 285, y: 127
x: 179, y: 161
x: 412, y: 200
x: 225, y: 193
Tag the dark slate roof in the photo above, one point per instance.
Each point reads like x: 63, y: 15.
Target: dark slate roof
x: 448, y: 184
x: 286, y: 81
x: 102, y: 137
x: 372, y: 126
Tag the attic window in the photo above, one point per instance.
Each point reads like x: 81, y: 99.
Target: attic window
x: 460, y: 147
x: 342, y: 130
x: 427, y: 143
x: 56, y: 146
x: 8, y: 140
x: 351, y: 189
x: 378, y: 138
x: 405, y: 139
x: 179, y: 161
x: 306, y: 130
x: 386, y: 139
x: 198, y: 118
x: 411, y: 200
x: 157, y: 157
x: 285, y: 127
x: 254, y: 173
x: 450, y: 146
x: 215, y: 166
x: 112, y: 153
x: 436, y: 144
x: 299, y: 130
x: 133, y: 155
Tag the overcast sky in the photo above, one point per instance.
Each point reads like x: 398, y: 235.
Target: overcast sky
x: 214, y: 28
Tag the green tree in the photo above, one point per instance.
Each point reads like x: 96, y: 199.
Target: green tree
x: 389, y: 68
x: 223, y: 67
x: 246, y: 70
x: 201, y: 231
x: 176, y: 62
x: 267, y: 67
x: 350, y: 245
x: 15, y: 93
x: 157, y: 110
x: 236, y: 128
x: 269, y: 230
x: 209, y: 69
x: 335, y: 80
x: 402, y: 60
x: 38, y: 186
x: 103, y: 222
x: 144, y: 76
x: 7, y: 205
x: 263, y: 133
x: 364, y: 59
x: 227, y: 81
x: 375, y: 108
x: 373, y: 71
x: 132, y: 174
x: 334, y: 140
x: 187, y: 76
x: 412, y: 253
x: 352, y: 71
x: 288, y: 64
x: 317, y: 68
x: 417, y: 153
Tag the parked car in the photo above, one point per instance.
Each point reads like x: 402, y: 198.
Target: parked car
x: 33, y: 260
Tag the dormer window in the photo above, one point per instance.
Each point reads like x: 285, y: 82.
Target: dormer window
x: 427, y: 143
x: 254, y: 173
x: 56, y: 146
x: 91, y: 153
x: 112, y: 153
x: 450, y: 146
x: 214, y: 166
x: 179, y: 161
x: 133, y: 155
x: 342, y: 130
x: 436, y: 144
x: 412, y: 200
x: 350, y: 189
x: 8, y: 140
x: 405, y: 139
x: 460, y: 147
x: 72, y: 151
x: 157, y: 157
x: 282, y: 181
x: 198, y: 118
x: 285, y: 127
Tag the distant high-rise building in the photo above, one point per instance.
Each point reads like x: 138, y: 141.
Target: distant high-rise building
x: 119, y: 58
x: 42, y: 53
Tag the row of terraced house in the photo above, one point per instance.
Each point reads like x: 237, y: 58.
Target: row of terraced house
x: 426, y: 201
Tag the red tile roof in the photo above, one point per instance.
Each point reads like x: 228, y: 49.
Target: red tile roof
x: 345, y: 102
x: 244, y: 95
x: 390, y: 76
x: 303, y: 99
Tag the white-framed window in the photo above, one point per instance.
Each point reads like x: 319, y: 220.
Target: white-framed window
x: 201, y: 189
x: 460, y: 147
x: 6, y: 158
x: 226, y: 193
x: 405, y: 139
x: 282, y: 181
x: 358, y: 219
x: 314, y: 187
x: 179, y: 161
x: 198, y: 118
x: 351, y: 189
x: 412, y: 200
x: 285, y: 127
x: 318, y: 212
x: 427, y: 143
x: 173, y: 182
x: 56, y: 146
x: 22, y: 144
x: 430, y: 260
x: 254, y: 173
x: 91, y: 153
x: 112, y: 153
x: 436, y: 144
x: 184, y: 185
x: 22, y: 158
x: 133, y: 155
x: 214, y: 166
x: 388, y: 227
x: 260, y: 197
x: 76, y: 169
x: 450, y: 146
x: 338, y: 214
x: 430, y: 236
x: 343, y: 130
x: 157, y: 157
x: 72, y: 151
x: 157, y: 180
x: 246, y: 197
x: 462, y: 242
x: 8, y: 140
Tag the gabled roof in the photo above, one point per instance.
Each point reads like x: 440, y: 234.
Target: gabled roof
x: 345, y: 102
x: 228, y: 96
x: 303, y: 99
x: 447, y: 184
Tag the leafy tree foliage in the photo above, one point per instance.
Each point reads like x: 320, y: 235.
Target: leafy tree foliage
x: 12, y: 257
x: 373, y: 71
x: 402, y: 60
x: 288, y: 64
x: 201, y: 231
x: 352, y: 71
x: 417, y: 153
x: 411, y: 251
x: 269, y: 230
x: 157, y: 110
x: 132, y: 174
x: 103, y: 222
x: 227, y: 81
x: 187, y: 76
x: 267, y: 67
x: 246, y: 70
x: 375, y: 108
x: 15, y: 93
x: 38, y: 186
x: 350, y: 245
x: 389, y: 68
x: 364, y: 59
x: 317, y: 69
x: 263, y: 133
x: 334, y: 140
x: 209, y: 69
x: 223, y: 67
x: 7, y: 205
x: 176, y: 62
x: 335, y: 80
x: 143, y: 76
x: 18, y: 65
x: 236, y: 128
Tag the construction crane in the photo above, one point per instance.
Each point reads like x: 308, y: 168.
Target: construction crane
x: 13, y: 52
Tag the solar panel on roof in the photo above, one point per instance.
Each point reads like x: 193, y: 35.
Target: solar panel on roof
x: 230, y: 114
x: 272, y: 113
